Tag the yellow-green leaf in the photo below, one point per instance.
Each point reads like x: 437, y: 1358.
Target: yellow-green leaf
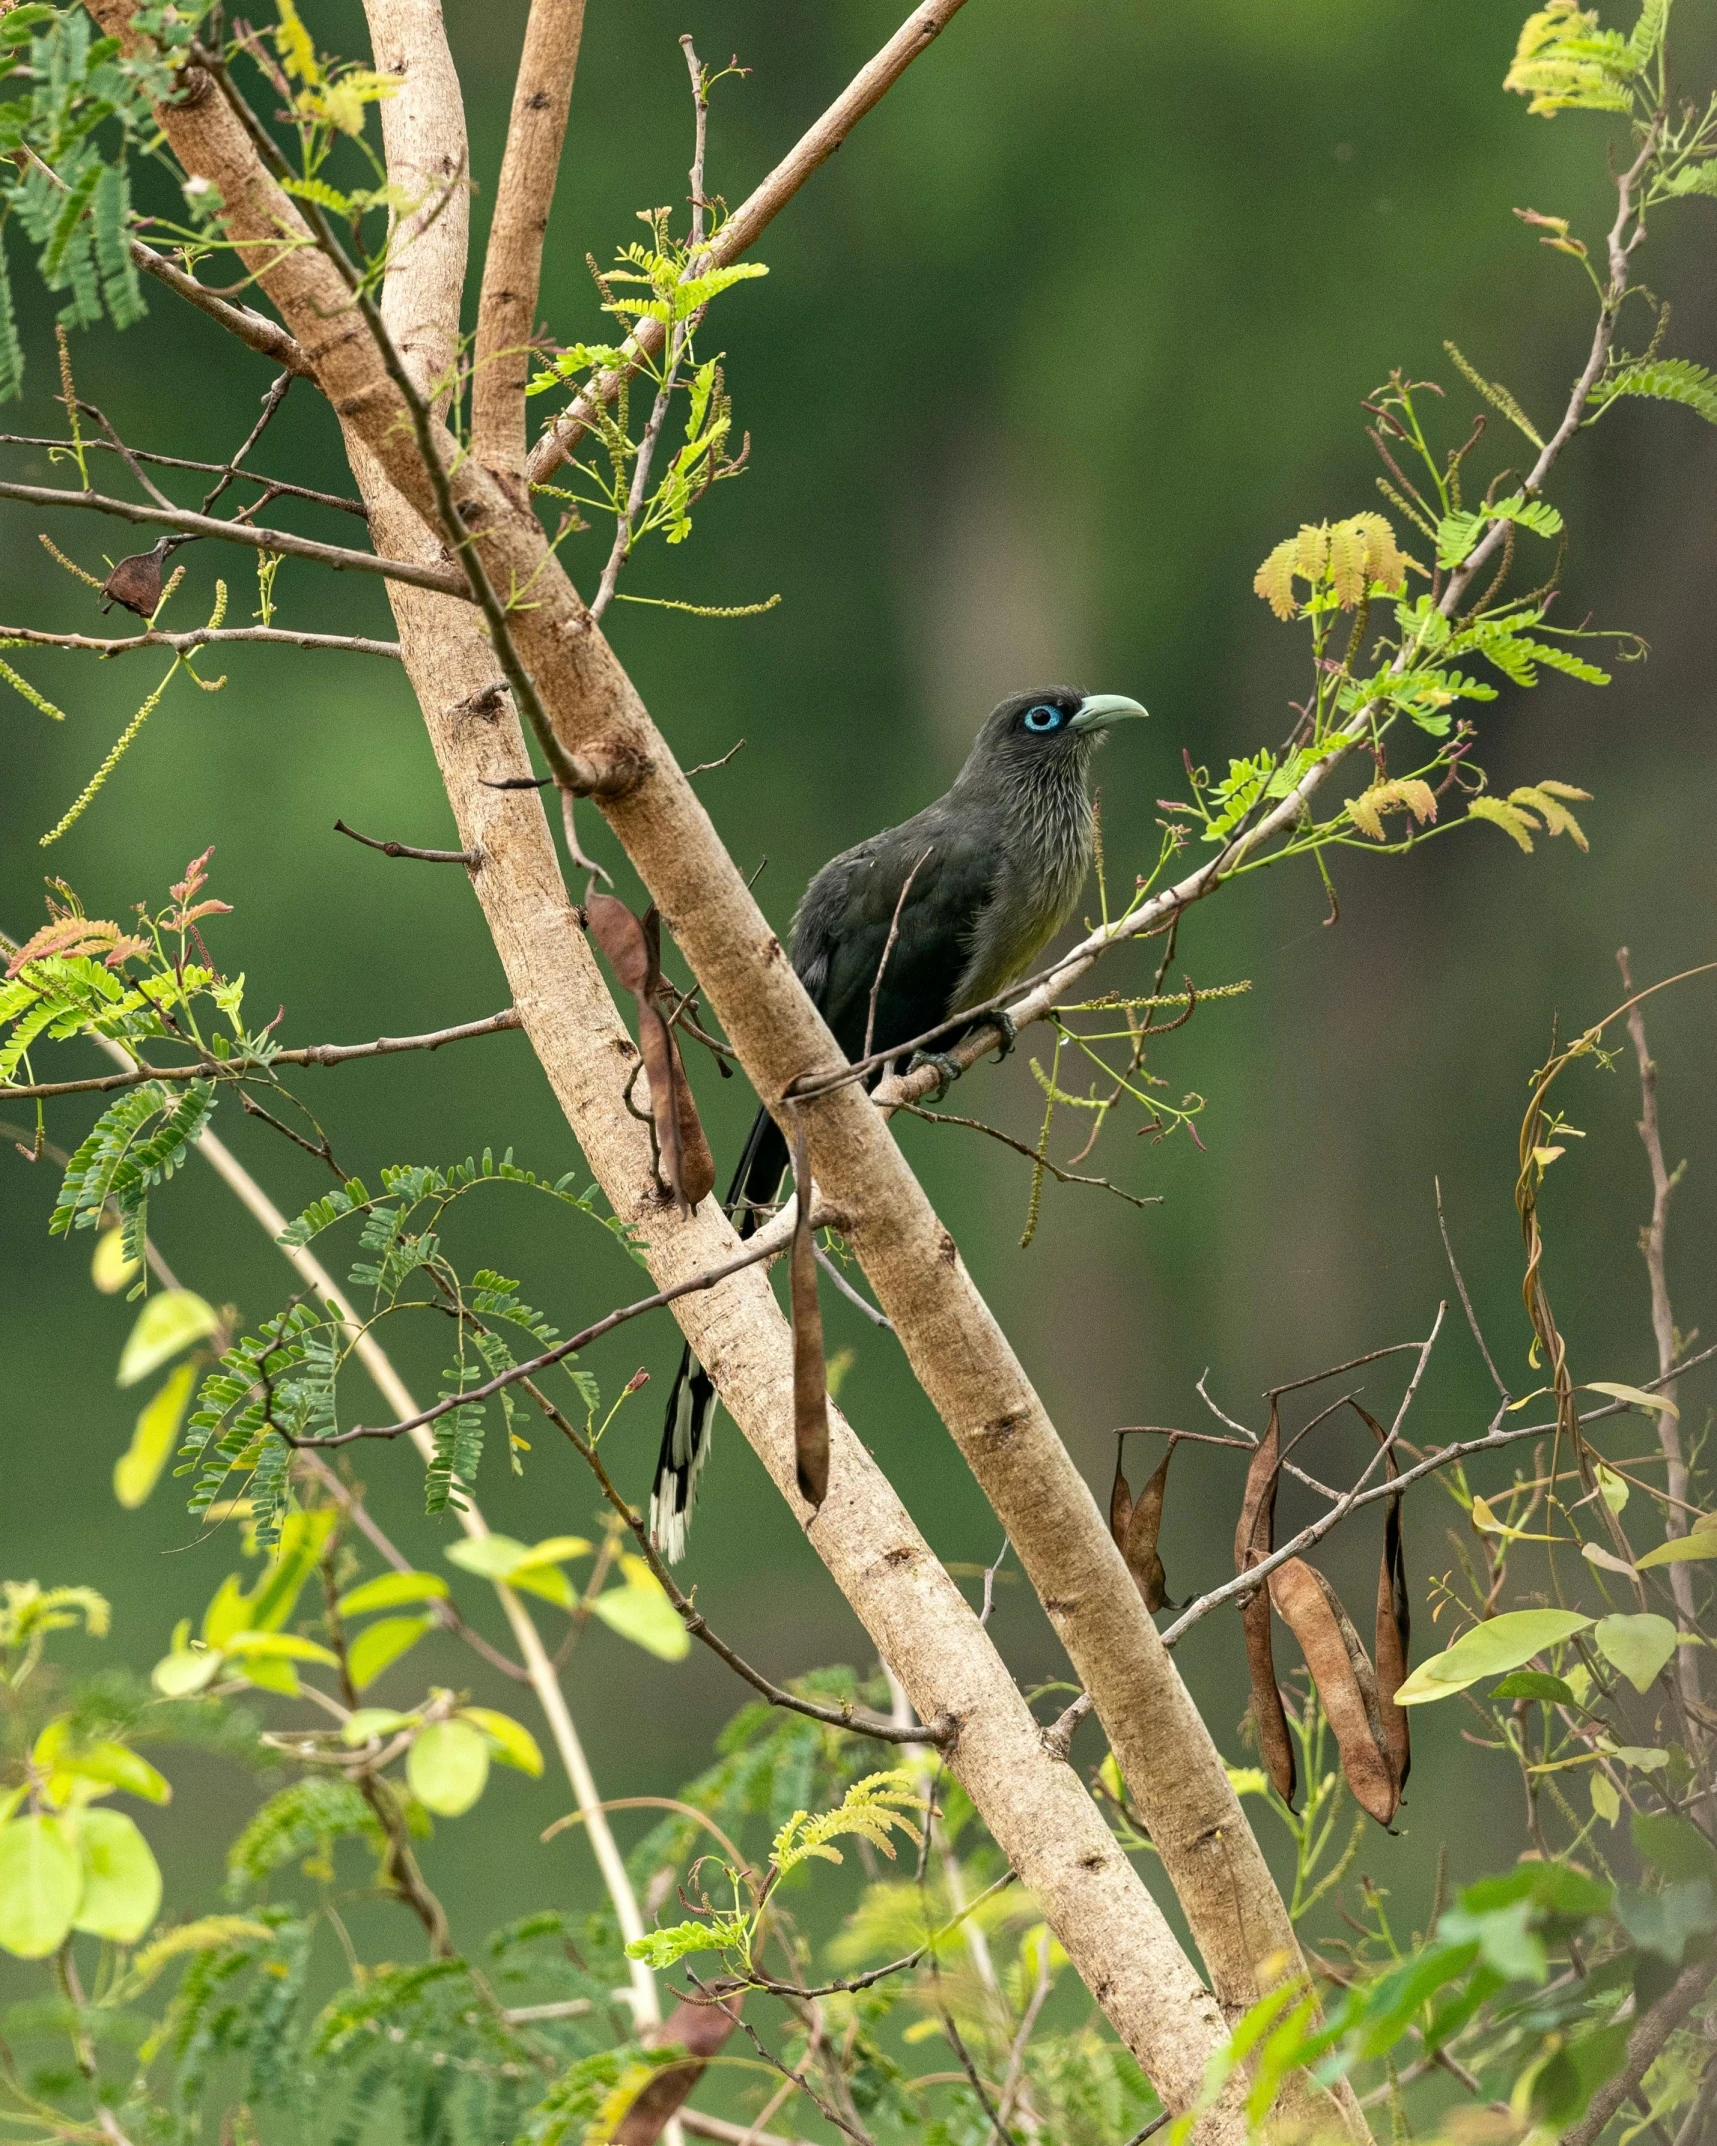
x: 40, y: 1880
x: 279, y: 1646
x: 381, y: 1644
x: 1637, y: 1646
x: 105, y: 1763
x: 1490, y: 1649
x: 391, y: 1590
x: 1681, y: 1548
x: 138, y: 1468
x: 448, y: 1767
x: 121, y: 1878
x: 1606, y: 1799
x: 367, y: 1721
x: 184, y: 1671
x: 202, y: 1935
x: 513, y: 1743
x: 110, y: 1270
x: 1636, y: 1394
x: 641, y: 1612
x: 167, y: 1323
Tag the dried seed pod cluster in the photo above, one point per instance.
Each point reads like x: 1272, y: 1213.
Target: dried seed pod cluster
x: 1357, y: 1695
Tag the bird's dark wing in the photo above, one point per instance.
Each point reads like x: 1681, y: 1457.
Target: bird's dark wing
x: 843, y: 923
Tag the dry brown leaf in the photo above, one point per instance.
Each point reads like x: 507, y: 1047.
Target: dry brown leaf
x: 136, y: 582
x: 810, y: 1372
x: 1347, y: 1685
x: 700, y: 2029
x: 1254, y: 1539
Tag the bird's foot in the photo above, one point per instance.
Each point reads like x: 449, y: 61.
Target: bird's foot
x: 1002, y: 1019
x: 948, y: 1070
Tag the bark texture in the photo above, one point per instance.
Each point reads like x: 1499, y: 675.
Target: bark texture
x: 513, y: 259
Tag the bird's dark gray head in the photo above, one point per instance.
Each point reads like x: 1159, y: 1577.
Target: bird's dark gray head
x: 1047, y: 732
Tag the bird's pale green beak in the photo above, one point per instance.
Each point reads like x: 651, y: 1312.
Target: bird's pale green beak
x: 1098, y: 710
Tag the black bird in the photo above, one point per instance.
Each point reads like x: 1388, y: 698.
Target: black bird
x: 990, y: 873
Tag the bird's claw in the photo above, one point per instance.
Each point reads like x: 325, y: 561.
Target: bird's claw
x: 948, y: 1070
x: 1002, y: 1019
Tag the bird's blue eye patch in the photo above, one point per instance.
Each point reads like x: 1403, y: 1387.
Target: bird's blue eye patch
x: 1044, y: 717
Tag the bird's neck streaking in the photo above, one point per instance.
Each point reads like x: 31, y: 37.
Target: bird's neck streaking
x: 1037, y: 812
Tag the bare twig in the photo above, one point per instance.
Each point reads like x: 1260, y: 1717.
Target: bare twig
x: 443, y: 580
x: 1467, y: 1302
x: 278, y: 485
x: 887, y: 949
x: 273, y: 397
x: 315, y: 1054
x: 832, y: 1268
x: 404, y: 849
x: 183, y: 644
x: 1061, y: 1176
x: 1652, y: 1239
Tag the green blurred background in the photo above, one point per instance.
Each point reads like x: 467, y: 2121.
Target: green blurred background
x: 1072, y: 331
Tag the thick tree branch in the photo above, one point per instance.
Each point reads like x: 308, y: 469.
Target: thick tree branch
x: 745, y: 226
x: 512, y: 263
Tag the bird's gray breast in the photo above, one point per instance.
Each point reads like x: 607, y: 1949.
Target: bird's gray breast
x: 1043, y: 852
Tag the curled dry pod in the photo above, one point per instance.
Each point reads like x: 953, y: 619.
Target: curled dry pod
x: 810, y: 1372
x: 1342, y: 1672
x: 1394, y: 1620
x: 633, y: 949
x: 1254, y: 1539
x: 1136, y: 1526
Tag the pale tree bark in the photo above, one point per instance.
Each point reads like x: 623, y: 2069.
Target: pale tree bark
x: 512, y: 260
x: 1038, y: 1812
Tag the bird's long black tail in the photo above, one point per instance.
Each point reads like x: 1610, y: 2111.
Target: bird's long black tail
x: 692, y: 1400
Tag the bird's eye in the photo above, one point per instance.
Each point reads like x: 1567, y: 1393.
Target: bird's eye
x: 1043, y: 717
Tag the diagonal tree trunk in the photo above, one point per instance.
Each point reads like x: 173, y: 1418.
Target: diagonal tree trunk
x: 591, y: 720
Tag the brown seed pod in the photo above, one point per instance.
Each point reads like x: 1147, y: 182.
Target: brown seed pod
x: 633, y: 948
x: 810, y: 1371
x: 1136, y: 1526
x: 1394, y: 1619
x: 1346, y: 1684
x: 1254, y: 1539
x: 700, y: 2029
